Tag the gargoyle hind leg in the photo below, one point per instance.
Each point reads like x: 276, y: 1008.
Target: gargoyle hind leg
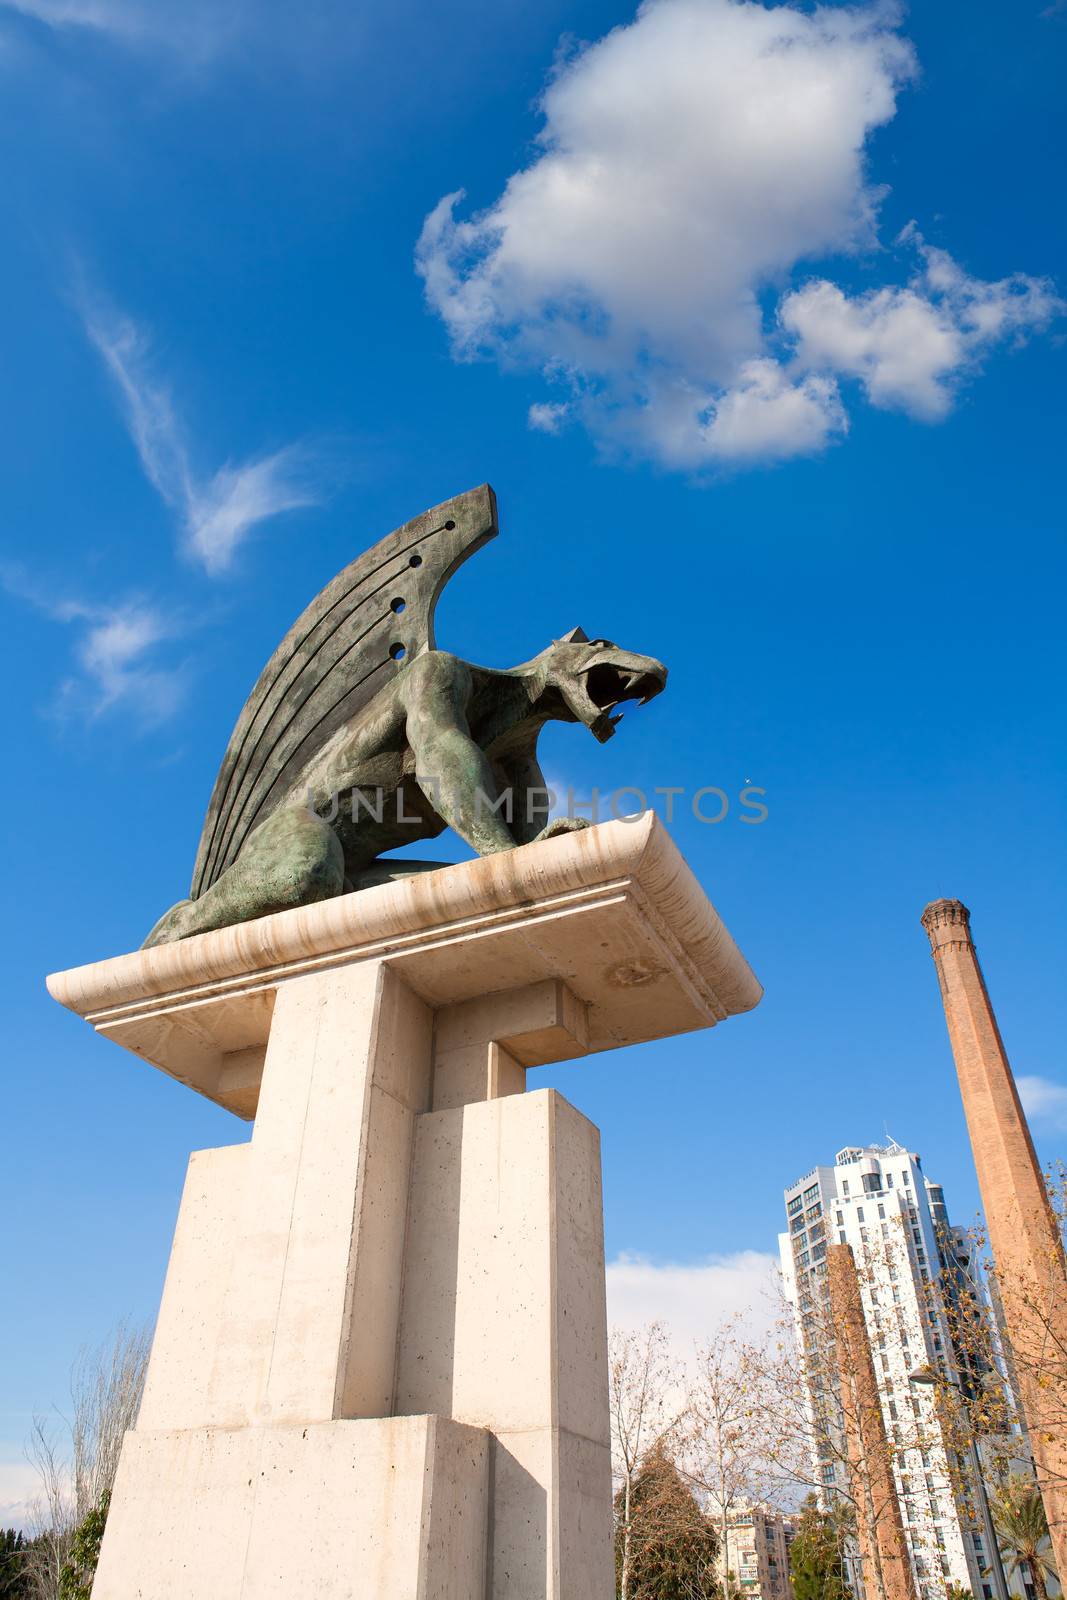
x: 292, y: 859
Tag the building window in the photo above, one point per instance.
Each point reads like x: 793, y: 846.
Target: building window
x: 797, y: 1225
x: 844, y: 1186
x: 811, y: 1194
x: 872, y: 1182
x: 889, y: 1180
x: 796, y: 1204
x: 841, y: 1237
x: 859, y: 1213
x: 881, y: 1213
x: 840, y: 1219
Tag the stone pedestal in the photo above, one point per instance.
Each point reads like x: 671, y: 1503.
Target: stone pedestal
x: 380, y: 1365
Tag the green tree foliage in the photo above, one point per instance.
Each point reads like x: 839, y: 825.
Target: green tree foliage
x: 673, y: 1544
x: 13, y: 1574
x: 79, y: 1569
x: 957, y: 1591
x: 815, y: 1563
x: 1022, y: 1531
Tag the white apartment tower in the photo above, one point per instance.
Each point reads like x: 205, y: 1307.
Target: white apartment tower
x: 876, y: 1199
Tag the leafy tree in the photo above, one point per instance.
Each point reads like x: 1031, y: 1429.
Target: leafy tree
x: 957, y: 1591
x: 673, y: 1546
x: 1022, y: 1531
x: 13, y: 1547
x: 79, y: 1569
x: 815, y: 1564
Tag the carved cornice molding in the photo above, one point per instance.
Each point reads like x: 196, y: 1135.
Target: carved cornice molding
x: 948, y: 924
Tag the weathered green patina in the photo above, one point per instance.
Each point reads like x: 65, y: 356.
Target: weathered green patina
x: 361, y: 736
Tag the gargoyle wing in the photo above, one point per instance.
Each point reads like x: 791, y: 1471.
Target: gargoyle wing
x: 337, y: 655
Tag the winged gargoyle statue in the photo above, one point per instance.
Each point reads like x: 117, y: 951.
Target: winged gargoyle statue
x: 362, y: 736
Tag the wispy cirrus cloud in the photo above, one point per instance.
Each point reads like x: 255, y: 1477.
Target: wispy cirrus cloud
x: 1044, y: 1101
x: 116, y: 654
x: 215, y: 513
x: 647, y: 262
x: 194, y: 30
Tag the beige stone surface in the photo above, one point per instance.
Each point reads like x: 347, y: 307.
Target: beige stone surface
x: 392, y: 1508
x: 504, y: 1325
x: 383, y: 1328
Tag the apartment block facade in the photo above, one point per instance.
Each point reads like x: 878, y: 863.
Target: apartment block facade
x: 757, y: 1544
x: 910, y: 1260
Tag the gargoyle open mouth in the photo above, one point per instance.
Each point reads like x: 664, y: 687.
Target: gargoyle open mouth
x: 609, y: 686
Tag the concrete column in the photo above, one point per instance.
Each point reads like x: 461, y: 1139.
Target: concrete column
x: 887, y: 1573
x: 503, y: 1322
x: 283, y: 1291
x: 1023, y: 1236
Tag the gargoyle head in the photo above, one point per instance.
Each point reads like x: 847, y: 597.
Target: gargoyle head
x: 593, y: 677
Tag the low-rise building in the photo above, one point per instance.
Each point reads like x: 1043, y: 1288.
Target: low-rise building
x: 757, y: 1545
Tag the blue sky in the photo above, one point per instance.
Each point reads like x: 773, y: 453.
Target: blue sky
x: 753, y: 325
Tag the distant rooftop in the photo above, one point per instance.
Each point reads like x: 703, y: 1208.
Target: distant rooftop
x: 854, y: 1152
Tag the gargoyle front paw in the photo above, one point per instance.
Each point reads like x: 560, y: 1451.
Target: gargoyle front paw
x: 170, y: 926
x: 559, y: 825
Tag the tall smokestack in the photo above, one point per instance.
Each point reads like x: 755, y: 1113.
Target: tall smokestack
x: 1023, y: 1234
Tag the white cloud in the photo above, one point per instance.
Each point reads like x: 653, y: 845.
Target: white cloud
x: 1044, y: 1101
x: 910, y: 346
x: 547, y: 416
x: 20, y: 1491
x: 113, y: 655
x: 765, y: 414
x: 689, y: 164
x: 116, y: 652
x: 693, y: 1299
x: 216, y: 513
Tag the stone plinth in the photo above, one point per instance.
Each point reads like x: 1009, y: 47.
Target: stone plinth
x: 380, y: 1365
